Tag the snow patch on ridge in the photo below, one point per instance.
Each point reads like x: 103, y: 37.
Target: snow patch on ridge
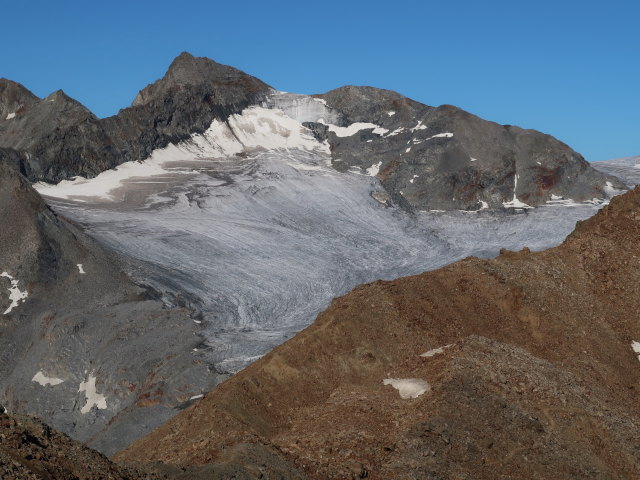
x: 441, y: 135
x: 408, y: 387
x: 43, y: 380
x: 419, y: 126
x: 355, y: 128
x: 397, y: 131
x: 435, y: 351
x: 92, y: 396
x: 374, y: 169
x: 636, y: 348
x: 15, y: 294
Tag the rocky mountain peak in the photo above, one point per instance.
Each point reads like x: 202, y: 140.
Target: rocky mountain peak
x: 364, y: 103
x: 188, y: 72
x: 14, y: 99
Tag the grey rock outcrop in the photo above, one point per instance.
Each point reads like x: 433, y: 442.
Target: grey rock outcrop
x: 61, y: 139
x: 446, y: 158
x: 14, y: 99
x: 102, y: 359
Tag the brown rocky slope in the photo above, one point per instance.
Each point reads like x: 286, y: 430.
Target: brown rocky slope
x: 30, y: 450
x: 539, y: 379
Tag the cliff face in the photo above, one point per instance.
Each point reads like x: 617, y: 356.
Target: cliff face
x: 524, y: 366
x: 445, y: 158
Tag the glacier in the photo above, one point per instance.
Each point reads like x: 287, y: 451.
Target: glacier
x: 250, y: 226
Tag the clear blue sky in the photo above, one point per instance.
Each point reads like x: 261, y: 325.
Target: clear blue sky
x: 568, y: 68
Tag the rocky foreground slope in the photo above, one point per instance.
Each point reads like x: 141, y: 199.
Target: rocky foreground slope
x: 425, y: 157
x: 525, y: 366
x: 31, y: 450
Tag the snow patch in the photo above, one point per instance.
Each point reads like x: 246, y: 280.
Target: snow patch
x: 636, y: 348
x: 473, y: 159
x: 419, y: 126
x: 397, y: 131
x: 612, y: 191
x: 93, y: 397
x: 558, y: 201
x: 441, y: 135
x: 43, y: 380
x: 408, y: 387
x: 407, y: 150
x: 435, y: 351
x: 195, y: 397
x: 391, y: 113
x: 414, y: 177
x: 80, y: 269
x: 355, y: 128
x: 483, y: 205
x: 15, y: 294
x: 374, y: 169
x: 10, y: 115
x: 515, y: 203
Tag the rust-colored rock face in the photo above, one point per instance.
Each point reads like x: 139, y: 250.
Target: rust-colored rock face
x: 529, y: 361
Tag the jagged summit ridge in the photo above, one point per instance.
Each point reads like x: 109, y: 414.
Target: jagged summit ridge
x: 426, y: 158
x: 187, y: 71
x: 14, y: 99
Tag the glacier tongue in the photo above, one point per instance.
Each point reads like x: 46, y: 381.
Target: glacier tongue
x: 261, y: 243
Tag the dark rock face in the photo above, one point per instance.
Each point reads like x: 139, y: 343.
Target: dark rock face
x: 62, y: 139
x: 445, y: 158
x: 14, y: 99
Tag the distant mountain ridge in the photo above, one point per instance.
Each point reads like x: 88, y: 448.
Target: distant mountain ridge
x: 60, y: 139
x: 425, y: 157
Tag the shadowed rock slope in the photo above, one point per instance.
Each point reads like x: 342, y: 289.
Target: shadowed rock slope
x: 529, y: 372
x: 81, y: 345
